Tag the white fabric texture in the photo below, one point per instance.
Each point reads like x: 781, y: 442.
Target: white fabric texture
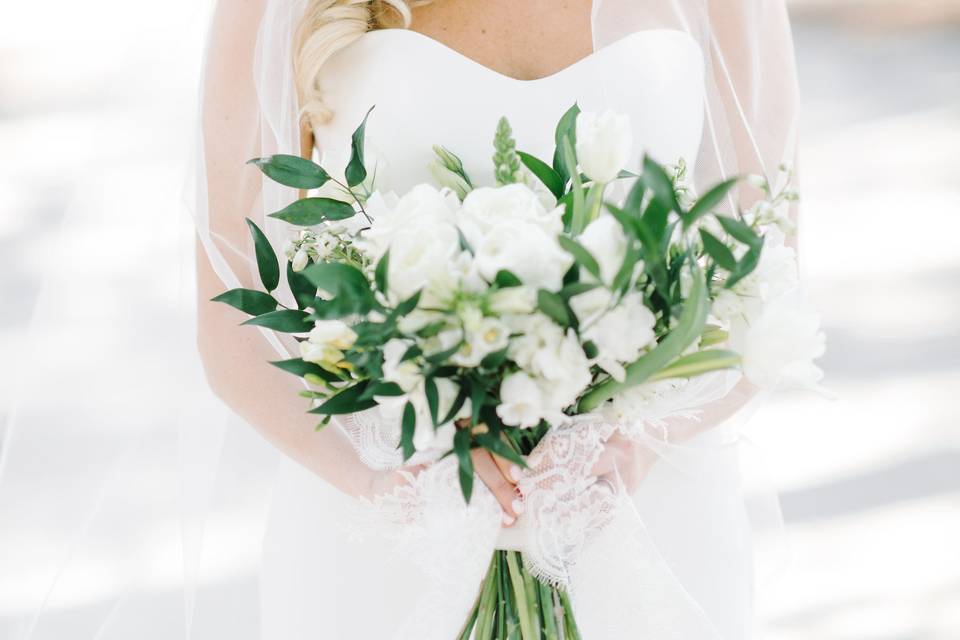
x: 708, y: 81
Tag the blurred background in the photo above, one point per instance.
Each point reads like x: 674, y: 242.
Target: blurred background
x: 870, y: 482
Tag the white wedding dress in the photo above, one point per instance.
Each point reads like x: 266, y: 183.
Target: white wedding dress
x: 319, y: 579
x: 262, y: 548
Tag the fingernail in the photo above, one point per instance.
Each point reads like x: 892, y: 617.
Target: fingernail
x: 517, y: 506
x: 516, y: 473
x: 508, y: 519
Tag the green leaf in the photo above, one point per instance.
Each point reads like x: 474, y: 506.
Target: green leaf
x: 495, y: 359
x: 456, y: 406
x: 505, y: 279
x: 718, y: 251
x: 356, y: 171
x: 408, y: 427
x: 478, y: 397
x: 745, y: 267
x: 302, y: 289
x: 386, y: 389
x: 308, y: 212
x: 347, y: 401
x: 433, y: 398
x: 249, y: 301
x: 740, y: 231
x: 408, y: 305
x: 267, y: 263
x: 495, y: 445
x: 659, y: 182
x: 698, y: 363
x: 284, y: 320
x: 583, y: 257
x: 380, y: 274
x: 440, y: 357
x: 336, y: 277
x: 461, y: 446
x: 708, y: 202
x: 553, y: 306
x: 544, y: 173
x: 688, y: 327
x: 292, y: 171
x: 302, y: 368
x: 566, y: 128
x: 576, y: 289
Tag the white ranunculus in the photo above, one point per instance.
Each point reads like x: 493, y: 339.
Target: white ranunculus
x: 405, y: 374
x: 604, y: 144
x: 513, y: 300
x: 606, y: 242
x: 622, y: 334
x: 520, y: 401
x: 489, y: 207
x: 780, y: 344
x: 527, y: 251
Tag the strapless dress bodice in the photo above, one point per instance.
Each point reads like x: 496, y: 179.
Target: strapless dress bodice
x: 426, y: 93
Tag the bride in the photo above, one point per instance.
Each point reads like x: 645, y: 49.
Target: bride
x: 707, y: 82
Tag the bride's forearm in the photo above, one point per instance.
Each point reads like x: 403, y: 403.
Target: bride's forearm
x: 235, y: 360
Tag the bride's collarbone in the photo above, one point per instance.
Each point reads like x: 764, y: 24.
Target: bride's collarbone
x: 526, y: 41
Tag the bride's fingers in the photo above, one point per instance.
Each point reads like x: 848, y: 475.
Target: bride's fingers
x: 510, y: 470
x: 502, y: 488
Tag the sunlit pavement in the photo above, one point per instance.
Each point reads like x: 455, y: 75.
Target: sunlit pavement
x: 870, y: 482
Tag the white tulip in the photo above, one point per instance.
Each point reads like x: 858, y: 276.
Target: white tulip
x: 604, y: 144
x: 520, y: 401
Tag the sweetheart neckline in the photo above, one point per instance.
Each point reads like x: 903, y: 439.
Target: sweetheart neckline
x: 589, y: 59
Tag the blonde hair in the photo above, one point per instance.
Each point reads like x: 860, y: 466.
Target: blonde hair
x: 327, y: 27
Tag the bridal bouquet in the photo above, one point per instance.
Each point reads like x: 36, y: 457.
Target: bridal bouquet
x: 480, y: 316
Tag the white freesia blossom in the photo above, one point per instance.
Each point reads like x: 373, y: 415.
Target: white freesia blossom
x: 527, y: 251
x: 780, y: 345
x: 326, y: 342
x: 606, y: 242
x: 622, y: 334
x: 300, y: 260
x: 487, y: 208
x: 604, y: 144
x: 513, y: 300
x: 520, y: 401
x: 405, y: 374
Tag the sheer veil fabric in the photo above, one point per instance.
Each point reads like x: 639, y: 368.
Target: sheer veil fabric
x: 164, y: 515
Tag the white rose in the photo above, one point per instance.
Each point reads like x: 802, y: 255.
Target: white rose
x: 527, y: 251
x: 604, y: 144
x: 565, y: 370
x: 606, y: 242
x: 418, y: 254
x: 520, y: 401
x: 621, y: 334
x: 423, y: 208
x: 780, y: 345
x: 489, y: 207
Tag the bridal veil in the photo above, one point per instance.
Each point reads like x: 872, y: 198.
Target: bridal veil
x: 146, y: 500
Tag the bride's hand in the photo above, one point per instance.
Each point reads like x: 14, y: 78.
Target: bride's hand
x: 624, y: 460
x: 500, y: 476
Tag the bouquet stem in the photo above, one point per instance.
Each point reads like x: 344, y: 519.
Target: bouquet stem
x: 514, y: 605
